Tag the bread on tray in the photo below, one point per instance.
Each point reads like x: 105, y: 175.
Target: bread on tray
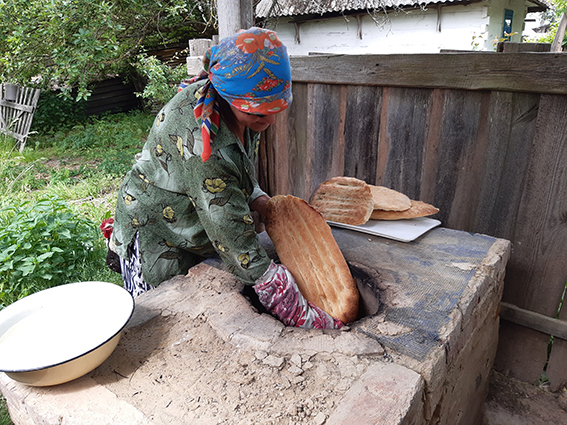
x: 344, y: 200
x: 388, y: 199
x: 417, y: 209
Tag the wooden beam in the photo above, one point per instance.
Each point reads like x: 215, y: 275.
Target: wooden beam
x: 531, y: 72
x: 234, y: 15
x: 532, y: 320
x: 18, y: 106
x: 358, y: 26
x: 557, y: 45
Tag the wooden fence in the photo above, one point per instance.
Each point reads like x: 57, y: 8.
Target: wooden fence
x: 112, y: 95
x: 16, y: 114
x: 482, y: 136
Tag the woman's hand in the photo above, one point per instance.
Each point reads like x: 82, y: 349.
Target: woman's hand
x: 260, y: 205
x: 259, y: 208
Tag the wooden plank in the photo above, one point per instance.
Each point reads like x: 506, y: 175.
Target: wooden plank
x: 361, y: 131
x: 556, y: 371
x: 287, y: 144
x: 520, y: 353
x: 457, y: 135
x: 506, y: 46
x: 532, y: 320
x: 402, y: 141
x: 16, y: 117
x: 537, y: 271
x: 326, y: 147
x: 541, y: 232
x: 525, y: 72
x: 472, y: 164
x: 510, y: 134
x: 277, y: 159
x: 431, y: 148
x: 557, y: 45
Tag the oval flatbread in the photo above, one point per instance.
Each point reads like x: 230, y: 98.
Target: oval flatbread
x: 389, y: 199
x: 306, y: 246
x: 344, y: 200
x: 417, y: 209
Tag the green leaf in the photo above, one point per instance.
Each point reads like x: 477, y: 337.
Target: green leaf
x: 45, y: 256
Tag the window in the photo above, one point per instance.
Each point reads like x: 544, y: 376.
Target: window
x: 507, y: 26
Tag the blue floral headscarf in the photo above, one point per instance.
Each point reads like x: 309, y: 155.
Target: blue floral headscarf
x: 251, y: 71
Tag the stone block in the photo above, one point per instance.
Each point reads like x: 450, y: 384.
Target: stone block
x: 82, y: 401
x: 386, y: 394
x: 194, y: 65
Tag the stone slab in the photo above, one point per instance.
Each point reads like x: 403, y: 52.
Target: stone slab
x: 385, y: 394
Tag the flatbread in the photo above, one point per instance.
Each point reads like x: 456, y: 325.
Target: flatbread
x: 389, y: 199
x: 306, y: 246
x: 417, y: 209
x: 344, y: 200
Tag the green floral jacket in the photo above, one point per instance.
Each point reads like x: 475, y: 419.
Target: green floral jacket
x: 184, y: 209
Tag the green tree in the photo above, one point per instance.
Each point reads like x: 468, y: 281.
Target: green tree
x: 553, y: 16
x: 71, y: 43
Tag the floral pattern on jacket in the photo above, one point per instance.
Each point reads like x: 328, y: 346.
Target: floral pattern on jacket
x: 184, y: 209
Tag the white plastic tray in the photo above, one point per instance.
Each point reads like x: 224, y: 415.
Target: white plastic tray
x: 399, y: 230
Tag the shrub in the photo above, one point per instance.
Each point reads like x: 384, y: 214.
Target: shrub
x: 118, y: 132
x: 44, y: 244
x: 55, y: 112
x: 162, y: 80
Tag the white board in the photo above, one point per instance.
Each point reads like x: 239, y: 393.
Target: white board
x: 398, y: 230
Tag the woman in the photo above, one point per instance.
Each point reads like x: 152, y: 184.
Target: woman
x: 191, y: 192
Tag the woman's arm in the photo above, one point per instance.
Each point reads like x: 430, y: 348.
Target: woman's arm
x: 260, y: 205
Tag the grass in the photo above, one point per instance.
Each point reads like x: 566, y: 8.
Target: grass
x: 4, y: 415
x: 82, y: 166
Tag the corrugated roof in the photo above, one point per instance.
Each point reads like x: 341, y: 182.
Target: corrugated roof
x: 272, y: 8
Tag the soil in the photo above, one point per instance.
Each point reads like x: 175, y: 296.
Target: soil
x: 175, y: 362
x: 512, y: 402
x: 205, y: 380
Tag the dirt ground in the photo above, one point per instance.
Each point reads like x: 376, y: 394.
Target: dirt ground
x: 512, y: 402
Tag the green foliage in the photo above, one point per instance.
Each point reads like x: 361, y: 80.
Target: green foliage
x: 4, y: 415
x: 55, y: 111
x: 43, y: 244
x: 69, y: 44
x: 42, y: 223
x: 162, y: 80
x: 89, y: 155
x: 553, y: 17
x: 104, y: 133
x: 45, y: 197
x: 116, y: 164
x: 550, y: 36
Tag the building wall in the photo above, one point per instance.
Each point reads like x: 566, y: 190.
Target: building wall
x: 496, y: 13
x: 471, y: 27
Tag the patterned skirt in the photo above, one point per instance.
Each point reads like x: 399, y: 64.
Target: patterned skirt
x: 132, y: 271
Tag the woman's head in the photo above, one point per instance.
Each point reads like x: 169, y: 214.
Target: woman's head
x: 251, y: 71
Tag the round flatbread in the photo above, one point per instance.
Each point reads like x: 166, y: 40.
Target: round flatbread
x: 343, y: 200
x: 388, y: 199
x: 306, y: 246
x: 417, y: 209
